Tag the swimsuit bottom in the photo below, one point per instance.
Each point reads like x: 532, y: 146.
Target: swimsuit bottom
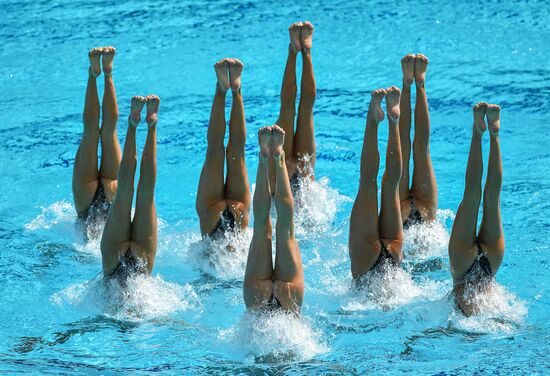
x: 128, y: 265
x: 383, y: 258
x: 98, y: 209
x: 226, y: 223
x: 414, y: 217
x: 480, y: 270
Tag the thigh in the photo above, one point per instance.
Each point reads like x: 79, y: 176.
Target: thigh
x: 258, y: 284
x: 144, y: 227
x: 210, y: 216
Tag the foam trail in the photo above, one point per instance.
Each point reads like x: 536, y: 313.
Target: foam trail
x: 269, y: 337
x: 143, y: 297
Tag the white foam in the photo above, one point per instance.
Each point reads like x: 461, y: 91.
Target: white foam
x: 269, y: 337
x: 58, y: 213
x: 425, y: 240
x: 143, y: 297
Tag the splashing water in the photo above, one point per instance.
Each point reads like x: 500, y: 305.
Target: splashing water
x: 274, y: 336
x: 140, y: 297
x: 425, y: 240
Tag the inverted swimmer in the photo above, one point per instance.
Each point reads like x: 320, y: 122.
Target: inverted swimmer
x: 224, y: 206
x: 299, y: 146
x: 93, y: 189
x: 475, y: 259
x: 419, y: 202
x: 265, y: 286
x: 377, y: 239
x: 130, y: 246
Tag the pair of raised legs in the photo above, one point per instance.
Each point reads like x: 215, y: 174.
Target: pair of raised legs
x: 86, y: 176
x: 422, y: 195
x: 264, y: 285
x: 216, y: 195
x: 122, y: 235
x: 370, y: 233
x: 463, y: 244
x: 299, y: 146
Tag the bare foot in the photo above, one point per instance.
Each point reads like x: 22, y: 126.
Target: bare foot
x: 95, y: 54
x: 222, y: 73
x: 306, y: 36
x: 375, y: 111
x: 420, y: 67
x: 235, y: 70
x: 393, y: 95
x: 493, y: 118
x: 407, y: 65
x: 152, y: 109
x: 264, y: 139
x: 107, y: 57
x: 479, y: 117
x: 294, y: 31
x: 135, y: 111
x: 277, y: 140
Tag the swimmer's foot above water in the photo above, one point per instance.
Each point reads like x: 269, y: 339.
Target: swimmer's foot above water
x: 107, y: 57
x: 420, y: 67
x: 135, y: 111
x: 264, y: 139
x: 393, y: 95
x: 235, y: 70
x: 479, y: 117
x: 407, y: 65
x: 493, y: 118
x: 375, y: 110
x: 277, y: 140
x: 222, y: 73
x: 152, y: 109
x: 95, y: 55
x: 294, y: 31
x: 306, y: 36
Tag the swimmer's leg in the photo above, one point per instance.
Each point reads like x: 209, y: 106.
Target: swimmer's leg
x: 110, y: 148
x: 462, y: 247
x: 287, y: 112
x: 117, y: 233
x: 258, y: 285
x: 424, y: 185
x: 304, y: 140
x: 407, y: 65
x: 288, y: 274
x: 491, y: 233
x: 85, y: 174
x: 144, y: 225
x: 210, y: 194
x: 237, y: 188
x: 364, y: 239
x: 390, y: 222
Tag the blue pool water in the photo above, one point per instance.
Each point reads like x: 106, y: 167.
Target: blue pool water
x: 57, y: 316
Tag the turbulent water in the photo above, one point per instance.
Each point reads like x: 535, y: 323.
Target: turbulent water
x: 60, y: 316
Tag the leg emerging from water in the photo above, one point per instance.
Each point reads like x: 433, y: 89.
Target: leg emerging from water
x: 144, y: 226
x: 491, y: 233
x: 211, y: 191
x: 424, y: 186
x: 364, y: 240
x: 288, y: 273
x: 110, y: 148
x: 304, y: 140
x: 237, y: 188
x: 462, y: 244
x: 407, y: 65
x: 117, y: 233
x: 390, y: 222
x: 258, y: 284
x: 85, y: 173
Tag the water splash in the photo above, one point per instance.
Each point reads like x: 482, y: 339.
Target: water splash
x: 58, y: 214
x: 270, y: 337
x: 141, y: 297
x: 425, y: 240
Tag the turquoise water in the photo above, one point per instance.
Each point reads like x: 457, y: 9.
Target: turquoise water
x: 59, y: 317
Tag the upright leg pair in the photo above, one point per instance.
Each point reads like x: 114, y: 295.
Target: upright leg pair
x: 299, y: 146
x: 282, y: 286
x: 420, y: 201
x: 87, y: 179
x: 122, y: 235
x: 217, y: 199
x: 464, y: 242
x: 370, y: 234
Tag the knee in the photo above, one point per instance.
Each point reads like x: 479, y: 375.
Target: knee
x: 215, y: 149
x: 309, y: 94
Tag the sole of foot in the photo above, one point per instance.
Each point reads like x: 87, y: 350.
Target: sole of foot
x: 153, y: 103
x: 407, y: 65
x: 479, y: 117
x: 294, y: 32
x: 95, y: 55
x: 222, y: 73
x: 375, y: 109
x: 235, y: 69
x: 420, y: 67
x: 393, y: 96
x: 264, y: 139
x: 493, y: 118
x: 107, y: 57
x: 277, y: 140
x: 306, y: 36
x: 137, y: 104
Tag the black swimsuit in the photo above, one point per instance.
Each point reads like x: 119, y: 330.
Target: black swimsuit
x: 383, y: 258
x: 226, y: 223
x: 480, y: 270
x: 98, y: 209
x: 128, y: 265
x: 414, y: 217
